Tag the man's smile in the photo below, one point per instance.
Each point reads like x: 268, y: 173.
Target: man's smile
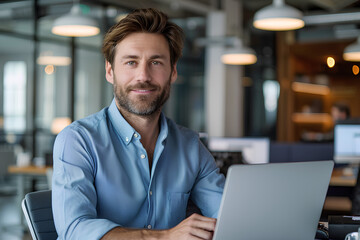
x: 143, y: 91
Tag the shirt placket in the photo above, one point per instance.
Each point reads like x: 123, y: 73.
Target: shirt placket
x: 144, y: 162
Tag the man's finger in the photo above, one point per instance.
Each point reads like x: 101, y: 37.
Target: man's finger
x: 204, y: 223
x: 201, y: 233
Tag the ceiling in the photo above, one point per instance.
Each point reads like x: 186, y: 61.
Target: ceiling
x: 15, y: 14
x: 175, y: 8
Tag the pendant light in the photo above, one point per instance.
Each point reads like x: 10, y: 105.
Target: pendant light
x: 235, y: 54
x: 75, y: 24
x: 239, y: 54
x: 278, y: 17
x: 48, y: 58
x: 352, y: 52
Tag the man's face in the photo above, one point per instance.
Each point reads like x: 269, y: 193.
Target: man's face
x: 337, y: 114
x: 141, y: 73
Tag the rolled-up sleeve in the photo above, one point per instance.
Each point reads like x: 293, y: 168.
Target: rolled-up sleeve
x: 208, y: 188
x: 74, y: 197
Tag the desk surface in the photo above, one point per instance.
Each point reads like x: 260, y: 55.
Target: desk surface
x: 28, y: 170
x: 341, y: 177
x: 338, y: 178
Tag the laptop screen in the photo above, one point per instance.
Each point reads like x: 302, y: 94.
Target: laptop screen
x: 347, y: 143
x: 278, y: 201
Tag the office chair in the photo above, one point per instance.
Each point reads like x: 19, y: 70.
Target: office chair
x: 38, y: 214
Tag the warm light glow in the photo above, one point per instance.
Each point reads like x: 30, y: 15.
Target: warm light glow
x: 58, y: 124
x: 75, y: 30
x: 279, y: 24
x: 238, y: 59
x: 352, y: 56
x: 330, y: 62
x: 310, y: 88
x: 49, y: 69
x: 54, y: 60
x: 355, y: 69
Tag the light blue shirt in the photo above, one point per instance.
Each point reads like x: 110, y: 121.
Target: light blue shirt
x: 102, y: 178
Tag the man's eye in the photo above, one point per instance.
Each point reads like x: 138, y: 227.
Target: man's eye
x: 131, y: 63
x: 156, y: 63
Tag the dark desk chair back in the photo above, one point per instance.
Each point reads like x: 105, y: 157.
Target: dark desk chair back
x: 38, y: 213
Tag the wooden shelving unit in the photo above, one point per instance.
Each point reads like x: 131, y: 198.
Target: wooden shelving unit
x: 308, y: 88
x: 312, y: 89
x: 312, y: 118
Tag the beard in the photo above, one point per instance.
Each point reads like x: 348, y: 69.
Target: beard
x: 141, y: 105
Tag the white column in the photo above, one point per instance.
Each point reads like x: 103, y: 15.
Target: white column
x: 223, y: 91
x: 215, y: 77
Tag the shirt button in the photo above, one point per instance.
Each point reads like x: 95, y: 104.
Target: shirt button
x: 150, y: 193
x: 149, y: 226
x: 127, y: 139
x: 136, y: 135
x: 142, y: 156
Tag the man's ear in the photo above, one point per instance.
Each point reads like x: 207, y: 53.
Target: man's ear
x: 173, y: 76
x: 109, y: 72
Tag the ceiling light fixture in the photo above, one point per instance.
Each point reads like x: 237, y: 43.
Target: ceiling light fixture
x: 235, y: 54
x: 278, y: 17
x: 48, y: 58
x: 75, y: 24
x: 352, y: 52
x: 54, y: 60
x: 239, y: 54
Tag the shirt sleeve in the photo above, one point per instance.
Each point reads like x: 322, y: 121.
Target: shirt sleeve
x: 74, y: 196
x: 209, y: 185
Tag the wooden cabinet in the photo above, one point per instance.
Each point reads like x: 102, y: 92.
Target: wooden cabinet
x: 310, y: 116
x: 308, y: 87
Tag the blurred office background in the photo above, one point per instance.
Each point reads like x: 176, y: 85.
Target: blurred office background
x: 48, y: 81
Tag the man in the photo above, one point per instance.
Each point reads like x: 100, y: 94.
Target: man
x: 127, y: 172
x: 340, y: 112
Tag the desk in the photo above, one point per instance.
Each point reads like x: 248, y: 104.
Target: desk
x: 21, y: 173
x: 28, y: 170
x: 340, y: 179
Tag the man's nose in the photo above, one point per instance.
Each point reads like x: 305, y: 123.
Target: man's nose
x: 144, y: 73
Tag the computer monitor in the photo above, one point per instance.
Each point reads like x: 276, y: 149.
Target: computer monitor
x: 253, y: 150
x: 347, y: 143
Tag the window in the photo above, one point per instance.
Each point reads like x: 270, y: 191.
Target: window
x: 15, y: 96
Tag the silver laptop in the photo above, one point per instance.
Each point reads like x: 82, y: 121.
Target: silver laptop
x: 278, y: 201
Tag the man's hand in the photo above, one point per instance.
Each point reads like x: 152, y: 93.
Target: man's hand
x: 194, y: 227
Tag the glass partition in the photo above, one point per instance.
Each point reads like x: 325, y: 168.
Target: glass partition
x: 89, y: 83
x: 61, y: 79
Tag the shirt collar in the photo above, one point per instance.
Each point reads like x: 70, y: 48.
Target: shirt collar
x: 164, y: 129
x: 126, y: 131
x: 121, y: 126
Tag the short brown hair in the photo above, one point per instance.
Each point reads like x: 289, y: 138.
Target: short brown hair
x: 343, y: 108
x: 148, y: 21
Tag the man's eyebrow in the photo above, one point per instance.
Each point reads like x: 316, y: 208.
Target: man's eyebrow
x: 157, y: 57
x: 130, y: 57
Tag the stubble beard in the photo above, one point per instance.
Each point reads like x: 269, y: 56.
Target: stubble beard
x: 142, y: 105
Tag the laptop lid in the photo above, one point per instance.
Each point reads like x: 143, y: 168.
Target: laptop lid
x: 278, y: 201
